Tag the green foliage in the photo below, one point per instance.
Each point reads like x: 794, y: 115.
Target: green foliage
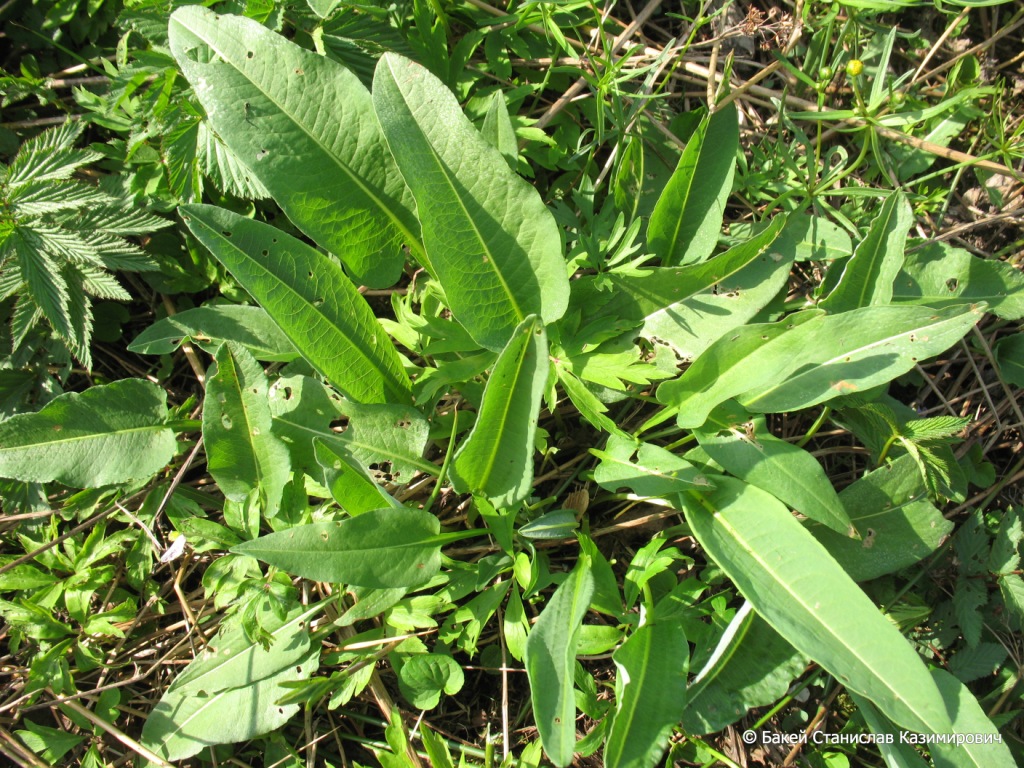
x: 60, y: 239
x: 430, y: 293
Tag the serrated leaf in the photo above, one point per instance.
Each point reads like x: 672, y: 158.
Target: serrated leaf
x: 304, y: 126
x: 243, y: 453
x: 210, y: 326
x: 383, y: 548
x: 940, y: 275
x: 792, y: 581
x: 496, y: 459
x: 109, y: 434
x: 312, y: 301
x: 652, y: 667
x: 867, y: 276
x: 687, y: 218
x: 550, y: 663
x: 748, y: 450
x: 489, y: 239
x: 936, y: 428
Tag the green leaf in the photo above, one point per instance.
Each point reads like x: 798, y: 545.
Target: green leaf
x: 210, y: 326
x: 867, y: 276
x: 897, y: 523
x: 755, y: 670
x: 229, y: 693
x: 550, y: 662
x: 498, y: 131
x: 896, y: 753
x: 808, y: 358
x: 752, y: 453
x: 49, y: 743
x: 652, y: 667
x: 496, y: 458
x: 424, y: 676
x: 304, y: 125
x: 242, y: 451
x: 687, y: 308
x: 1010, y: 359
x: 798, y: 588
x: 873, y: 346
x: 807, y: 237
x: 940, y: 275
x: 382, y: 548
x: 109, y: 434
x: 312, y: 301
x: 490, y: 241
x: 656, y: 472
x: 687, y: 218
x: 969, y: 720
x: 350, y: 486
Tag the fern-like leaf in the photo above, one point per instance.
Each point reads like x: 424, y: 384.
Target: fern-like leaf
x: 938, y: 428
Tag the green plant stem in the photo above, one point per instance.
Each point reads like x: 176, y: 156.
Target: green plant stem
x: 818, y: 423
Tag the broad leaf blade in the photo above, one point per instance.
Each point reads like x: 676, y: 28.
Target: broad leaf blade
x: 496, y: 458
x: 383, y: 548
x: 969, y: 720
x: 686, y: 220
x: 350, y: 486
x: 304, y: 125
x: 794, y: 583
x: 108, y: 434
x: 210, y: 326
x: 490, y: 241
x: 655, y: 472
x: 749, y: 451
x: 312, y: 301
x: 242, y: 452
x: 550, y: 659
x: 867, y: 276
x: 652, y: 666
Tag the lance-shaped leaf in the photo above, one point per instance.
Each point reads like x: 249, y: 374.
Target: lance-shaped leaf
x: 550, y: 660
x: 745, y: 448
x: 496, y: 458
x: 796, y: 586
x: 860, y: 350
x: 210, y: 326
x: 304, y: 125
x: 980, y: 748
x: 867, y: 276
x: 808, y: 358
x: 108, y: 434
x: 348, y: 482
x: 686, y: 307
x: 242, y: 452
x: 652, y: 666
x: 940, y: 275
x: 686, y: 221
x: 229, y: 693
x: 383, y: 548
x: 311, y: 299
x: 490, y: 241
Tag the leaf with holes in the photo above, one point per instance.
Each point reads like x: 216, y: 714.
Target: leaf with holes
x: 305, y: 126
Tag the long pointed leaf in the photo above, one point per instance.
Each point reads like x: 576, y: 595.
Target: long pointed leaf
x: 798, y: 588
x: 550, y: 659
x: 304, y: 125
x: 868, y: 275
x: 687, y: 218
x: 652, y: 666
x: 490, y: 241
x: 496, y: 458
x: 108, y: 434
x: 311, y: 299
